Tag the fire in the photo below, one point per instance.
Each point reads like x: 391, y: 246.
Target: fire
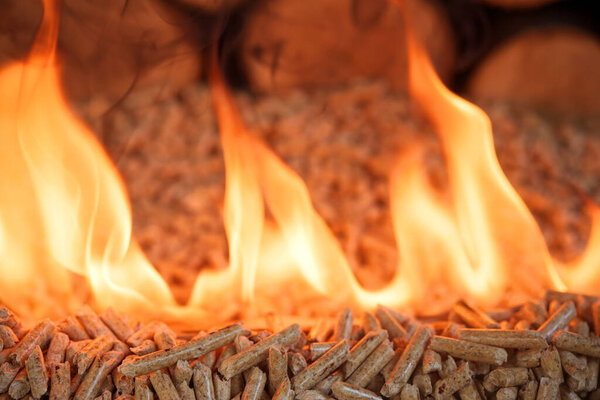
x: 65, y: 220
x: 64, y: 211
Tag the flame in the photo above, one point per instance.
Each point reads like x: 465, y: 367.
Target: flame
x: 65, y: 220
x: 64, y: 209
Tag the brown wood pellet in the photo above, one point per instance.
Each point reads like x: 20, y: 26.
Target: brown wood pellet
x: 407, y: 363
x: 36, y: 373
x: 258, y: 352
x: 560, y: 358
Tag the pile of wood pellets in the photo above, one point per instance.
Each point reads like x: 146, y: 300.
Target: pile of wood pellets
x: 539, y: 350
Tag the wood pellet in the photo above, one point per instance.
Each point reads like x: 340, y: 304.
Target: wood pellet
x: 548, y: 353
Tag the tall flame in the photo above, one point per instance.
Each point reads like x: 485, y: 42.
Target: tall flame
x: 65, y: 217
x: 63, y: 205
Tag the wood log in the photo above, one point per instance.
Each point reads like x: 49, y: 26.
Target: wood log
x: 121, y: 44
x: 107, y: 47
x: 514, y: 4
x: 211, y: 6
x: 311, y: 43
x: 555, y: 68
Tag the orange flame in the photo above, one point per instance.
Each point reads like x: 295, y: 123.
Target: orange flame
x: 64, y: 215
x: 63, y: 205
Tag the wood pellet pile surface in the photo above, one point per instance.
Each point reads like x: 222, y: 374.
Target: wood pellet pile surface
x: 343, y: 142
x: 546, y: 349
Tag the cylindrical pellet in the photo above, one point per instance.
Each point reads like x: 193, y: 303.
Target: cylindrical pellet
x: 36, y: 373
x: 550, y: 364
x: 591, y: 380
x: 73, y: 348
x: 40, y: 335
x: 57, y: 348
x: 574, y: 384
x: 372, y: 365
x: 319, y: 369
x: 317, y: 349
x: 473, y: 317
x: 567, y: 394
x: 146, y: 347
x: 409, y: 392
x: 163, y: 386
x: 19, y: 386
x: 528, y: 358
x: 533, y: 312
x: 182, y: 372
x: 361, y: 350
x: 92, y: 323
x: 309, y: 395
x: 528, y: 391
x: 124, y: 384
x: 389, y: 367
x: 507, y: 393
x: 370, y: 323
x: 236, y: 381
x: 278, y: 365
x: 258, y: 352
x: 143, y: 392
x: 469, y: 392
x: 432, y: 361
x: 469, y: 351
x: 547, y: 389
x: 91, y: 383
x: 193, y: 349
x: 423, y: 382
x: 596, y: 316
x: 452, y: 383
x: 448, y: 367
x: 325, y: 385
x: 185, y: 392
x: 523, y: 325
x: 321, y: 330
x: 345, y: 391
x: 60, y: 381
x: 164, y: 337
x: 504, y: 338
x: 254, y: 385
x: 222, y: 387
x: 590, y: 346
x: 576, y: 366
x: 559, y: 320
x: 142, y: 334
x: 389, y: 323
x: 296, y: 363
x: 116, y: 324
x: 96, y: 348
x: 8, y: 372
x: 343, y: 328
x: 203, y: 383
x: 284, y: 391
x: 73, y: 328
x: 505, y: 377
x: 7, y: 337
x: 209, y: 359
x: 407, y: 363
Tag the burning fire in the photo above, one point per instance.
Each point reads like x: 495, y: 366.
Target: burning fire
x: 65, y: 218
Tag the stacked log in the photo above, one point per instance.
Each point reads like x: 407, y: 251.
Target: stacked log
x: 108, y: 47
x: 312, y: 43
x: 555, y: 68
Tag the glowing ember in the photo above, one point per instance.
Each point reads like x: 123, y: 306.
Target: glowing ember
x: 64, y: 216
